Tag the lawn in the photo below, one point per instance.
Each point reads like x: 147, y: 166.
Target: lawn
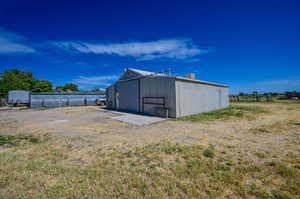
x: 162, y: 170
x: 233, y: 111
x: 252, y: 151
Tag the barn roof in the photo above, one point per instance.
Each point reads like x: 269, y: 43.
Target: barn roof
x: 200, y: 81
x: 132, y: 73
x: 141, y: 72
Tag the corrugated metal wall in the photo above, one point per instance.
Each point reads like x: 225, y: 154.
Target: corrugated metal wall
x: 181, y: 97
x: 56, y: 100
x: 158, y: 87
x: 131, y: 93
x: 110, y: 96
x: 18, y: 96
x: 127, y: 96
x: 193, y: 98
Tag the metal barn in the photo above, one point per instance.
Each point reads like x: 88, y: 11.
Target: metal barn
x: 39, y: 100
x: 18, y: 97
x: 163, y: 95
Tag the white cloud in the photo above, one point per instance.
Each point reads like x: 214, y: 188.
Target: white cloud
x: 96, y: 81
x: 180, y: 49
x: 11, y: 43
x: 281, y: 83
x: 171, y: 49
x: 267, y: 86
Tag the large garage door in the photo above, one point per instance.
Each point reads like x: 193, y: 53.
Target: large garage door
x: 128, y: 96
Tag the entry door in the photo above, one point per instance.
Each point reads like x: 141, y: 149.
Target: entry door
x: 117, y: 100
x: 128, y: 96
x: 220, y: 98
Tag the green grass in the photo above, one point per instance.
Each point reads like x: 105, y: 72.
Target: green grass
x: 260, y: 155
x: 253, y: 100
x: 209, y: 152
x: 288, y: 101
x: 162, y: 170
x: 295, y: 123
x: 277, y: 194
x: 233, y: 111
x: 14, y: 140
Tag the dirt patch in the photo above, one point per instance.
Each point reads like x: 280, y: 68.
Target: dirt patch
x: 187, y: 140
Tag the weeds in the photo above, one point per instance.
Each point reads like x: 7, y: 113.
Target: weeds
x: 270, y: 128
x: 233, y: 111
x: 258, y: 191
x: 14, y: 140
x: 209, y: 152
x: 260, y: 155
x: 277, y: 194
x: 162, y: 170
x: 295, y: 123
x: 286, y: 171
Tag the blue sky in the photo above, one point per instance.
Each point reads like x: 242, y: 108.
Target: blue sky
x: 249, y: 45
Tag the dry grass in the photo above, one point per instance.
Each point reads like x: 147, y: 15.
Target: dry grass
x: 232, y: 112
x: 175, y: 159
x: 276, y: 127
x: 271, y: 128
x: 162, y: 170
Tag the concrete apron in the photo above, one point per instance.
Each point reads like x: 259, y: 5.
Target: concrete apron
x: 136, y: 119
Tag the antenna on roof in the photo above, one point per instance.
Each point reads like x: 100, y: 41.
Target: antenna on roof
x: 166, y: 71
x: 169, y: 71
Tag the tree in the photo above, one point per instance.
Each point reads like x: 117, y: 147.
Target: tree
x: 59, y: 89
x: 98, y: 90
x: 15, y: 80
x: 67, y: 87
x: 2, y: 88
x: 21, y: 80
x: 42, y: 86
x: 71, y: 87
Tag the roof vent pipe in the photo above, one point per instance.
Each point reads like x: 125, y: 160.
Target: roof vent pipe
x: 191, y: 76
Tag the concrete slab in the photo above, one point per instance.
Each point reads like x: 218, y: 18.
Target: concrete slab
x: 5, y: 108
x: 135, y: 119
x: 9, y: 108
x: 57, y: 122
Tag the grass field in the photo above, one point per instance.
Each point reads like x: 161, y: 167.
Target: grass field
x: 245, y: 151
x: 233, y: 111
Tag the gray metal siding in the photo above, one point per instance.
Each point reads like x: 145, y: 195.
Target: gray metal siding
x: 127, y: 96
x: 110, y: 96
x: 57, y: 100
x: 158, y: 87
x: 18, y: 96
x: 193, y: 98
x: 181, y: 97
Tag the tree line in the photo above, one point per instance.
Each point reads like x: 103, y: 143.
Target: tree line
x: 16, y: 79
